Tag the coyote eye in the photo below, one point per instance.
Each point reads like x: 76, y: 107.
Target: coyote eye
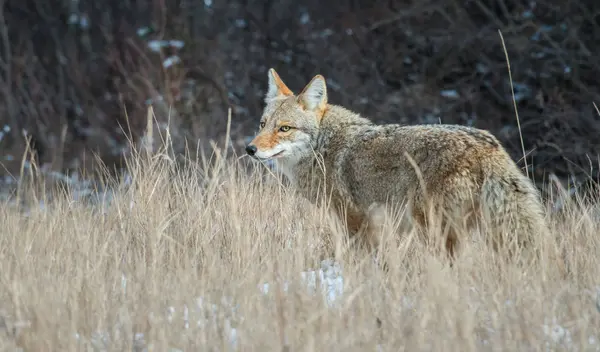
x: 284, y: 128
x: 262, y: 125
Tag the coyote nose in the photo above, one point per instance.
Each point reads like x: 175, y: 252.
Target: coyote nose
x: 251, y: 149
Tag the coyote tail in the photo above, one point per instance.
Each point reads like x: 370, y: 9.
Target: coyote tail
x: 513, y: 211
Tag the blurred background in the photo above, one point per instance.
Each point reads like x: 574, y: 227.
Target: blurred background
x: 77, y: 76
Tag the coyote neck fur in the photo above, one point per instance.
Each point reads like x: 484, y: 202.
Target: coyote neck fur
x: 316, y: 174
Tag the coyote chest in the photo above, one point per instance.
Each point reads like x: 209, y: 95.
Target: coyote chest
x: 308, y: 178
x: 316, y: 180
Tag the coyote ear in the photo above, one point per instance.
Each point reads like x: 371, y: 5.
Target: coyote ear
x: 314, y: 95
x: 277, y: 88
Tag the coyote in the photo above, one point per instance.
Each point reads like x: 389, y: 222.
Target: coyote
x: 362, y: 166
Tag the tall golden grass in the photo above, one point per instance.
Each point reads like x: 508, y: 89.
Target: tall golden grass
x: 210, y: 255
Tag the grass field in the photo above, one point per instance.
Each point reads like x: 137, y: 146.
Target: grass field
x: 209, y: 257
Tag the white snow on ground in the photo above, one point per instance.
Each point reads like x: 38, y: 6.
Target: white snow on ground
x: 4, y: 131
x: 171, y: 60
x: 157, y: 45
x: 329, y: 278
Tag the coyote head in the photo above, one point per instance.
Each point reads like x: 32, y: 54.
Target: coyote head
x: 290, y: 123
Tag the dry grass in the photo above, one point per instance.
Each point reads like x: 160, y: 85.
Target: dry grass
x: 180, y: 258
